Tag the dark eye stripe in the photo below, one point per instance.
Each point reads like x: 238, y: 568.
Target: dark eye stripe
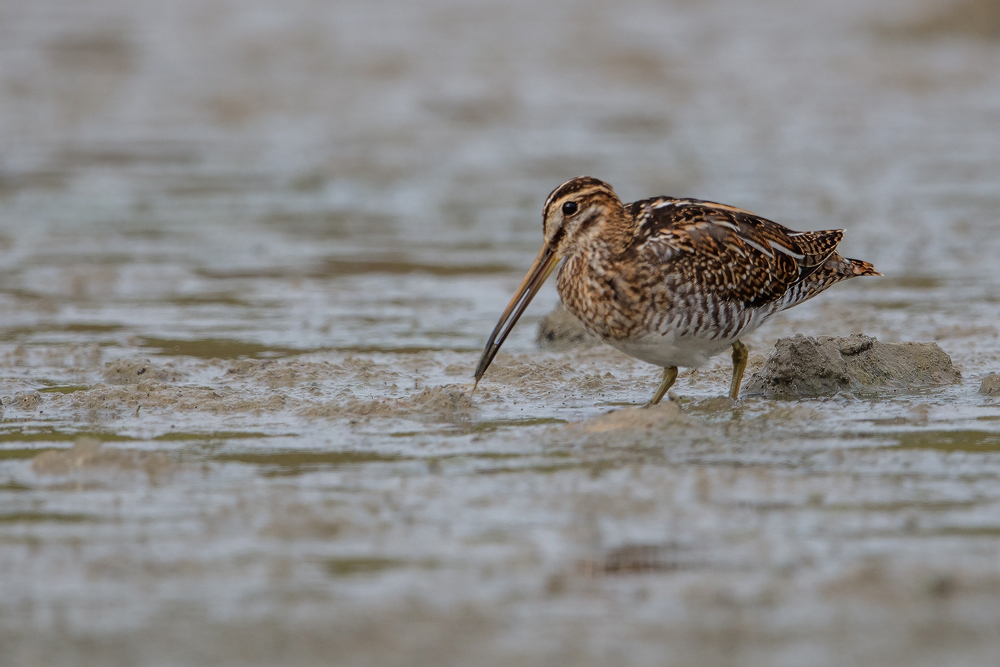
x: 557, y: 237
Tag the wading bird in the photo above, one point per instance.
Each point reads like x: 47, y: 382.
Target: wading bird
x: 670, y: 281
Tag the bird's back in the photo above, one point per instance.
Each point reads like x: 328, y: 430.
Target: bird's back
x: 701, y: 270
x: 730, y: 255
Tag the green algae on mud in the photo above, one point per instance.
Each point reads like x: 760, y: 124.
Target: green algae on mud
x: 213, y: 436
x: 948, y: 441
x: 333, y: 268
x: 21, y: 333
x: 226, y: 348
x: 347, y: 567
x: 897, y: 506
x: 537, y: 468
x: 401, y: 349
x: 19, y: 454
x: 480, y: 427
x: 400, y: 266
x: 53, y: 435
x: 218, y: 348
x: 63, y: 389
x: 488, y: 426
x: 14, y: 487
x: 208, y: 299
x: 46, y: 517
x: 294, y: 462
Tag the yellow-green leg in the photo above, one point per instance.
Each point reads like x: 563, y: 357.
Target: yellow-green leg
x: 669, y: 375
x: 740, y: 356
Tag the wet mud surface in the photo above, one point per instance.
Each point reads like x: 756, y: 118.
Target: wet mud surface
x: 249, y: 255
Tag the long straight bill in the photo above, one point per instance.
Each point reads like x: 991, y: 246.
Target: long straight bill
x: 539, y: 271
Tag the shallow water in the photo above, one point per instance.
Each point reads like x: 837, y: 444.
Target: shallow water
x: 251, y: 251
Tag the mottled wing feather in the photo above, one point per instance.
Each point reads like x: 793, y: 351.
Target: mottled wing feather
x: 816, y: 246
x: 727, y: 253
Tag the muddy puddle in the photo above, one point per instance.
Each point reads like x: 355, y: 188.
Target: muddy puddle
x: 249, y: 254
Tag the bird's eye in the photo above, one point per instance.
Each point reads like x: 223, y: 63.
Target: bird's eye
x: 569, y: 208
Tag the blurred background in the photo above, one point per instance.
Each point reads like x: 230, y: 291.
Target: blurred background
x: 210, y: 183
x: 170, y: 148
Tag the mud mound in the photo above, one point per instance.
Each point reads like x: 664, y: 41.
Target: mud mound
x: 89, y: 454
x: 990, y: 385
x: 560, y: 330
x: 665, y: 414
x: 134, y: 371
x: 152, y: 395
x: 446, y: 400
x: 276, y: 374
x: 29, y: 401
x: 802, y: 367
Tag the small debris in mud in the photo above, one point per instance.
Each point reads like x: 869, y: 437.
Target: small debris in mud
x: 133, y: 371
x: 802, y: 366
x: 27, y: 401
x: 90, y: 454
x: 990, y: 385
x: 560, y: 330
x: 631, y: 559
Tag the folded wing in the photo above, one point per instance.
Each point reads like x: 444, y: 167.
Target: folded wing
x: 734, y: 256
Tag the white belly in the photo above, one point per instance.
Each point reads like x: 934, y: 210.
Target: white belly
x: 671, y: 349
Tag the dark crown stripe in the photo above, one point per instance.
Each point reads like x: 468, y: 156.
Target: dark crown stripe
x: 573, y: 186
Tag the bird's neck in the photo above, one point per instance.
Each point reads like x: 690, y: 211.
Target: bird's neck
x: 617, y: 234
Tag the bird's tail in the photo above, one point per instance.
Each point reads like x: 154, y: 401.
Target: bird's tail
x: 832, y: 271
x: 862, y: 268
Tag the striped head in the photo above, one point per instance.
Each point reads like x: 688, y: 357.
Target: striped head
x: 578, y: 212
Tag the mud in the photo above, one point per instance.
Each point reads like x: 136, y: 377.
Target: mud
x: 446, y: 402
x: 89, y: 454
x: 990, y: 385
x: 799, y: 367
x: 804, y: 367
x: 131, y: 371
x: 559, y: 330
x: 154, y: 396
x: 979, y: 19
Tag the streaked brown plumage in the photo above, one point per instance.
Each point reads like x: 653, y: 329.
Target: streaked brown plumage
x: 672, y: 281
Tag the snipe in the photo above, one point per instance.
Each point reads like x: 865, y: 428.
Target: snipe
x: 672, y: 281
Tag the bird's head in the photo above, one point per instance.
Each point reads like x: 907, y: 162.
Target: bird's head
x: 576, y: 214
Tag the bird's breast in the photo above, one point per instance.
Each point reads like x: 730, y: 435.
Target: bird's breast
x: 610, y: 302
